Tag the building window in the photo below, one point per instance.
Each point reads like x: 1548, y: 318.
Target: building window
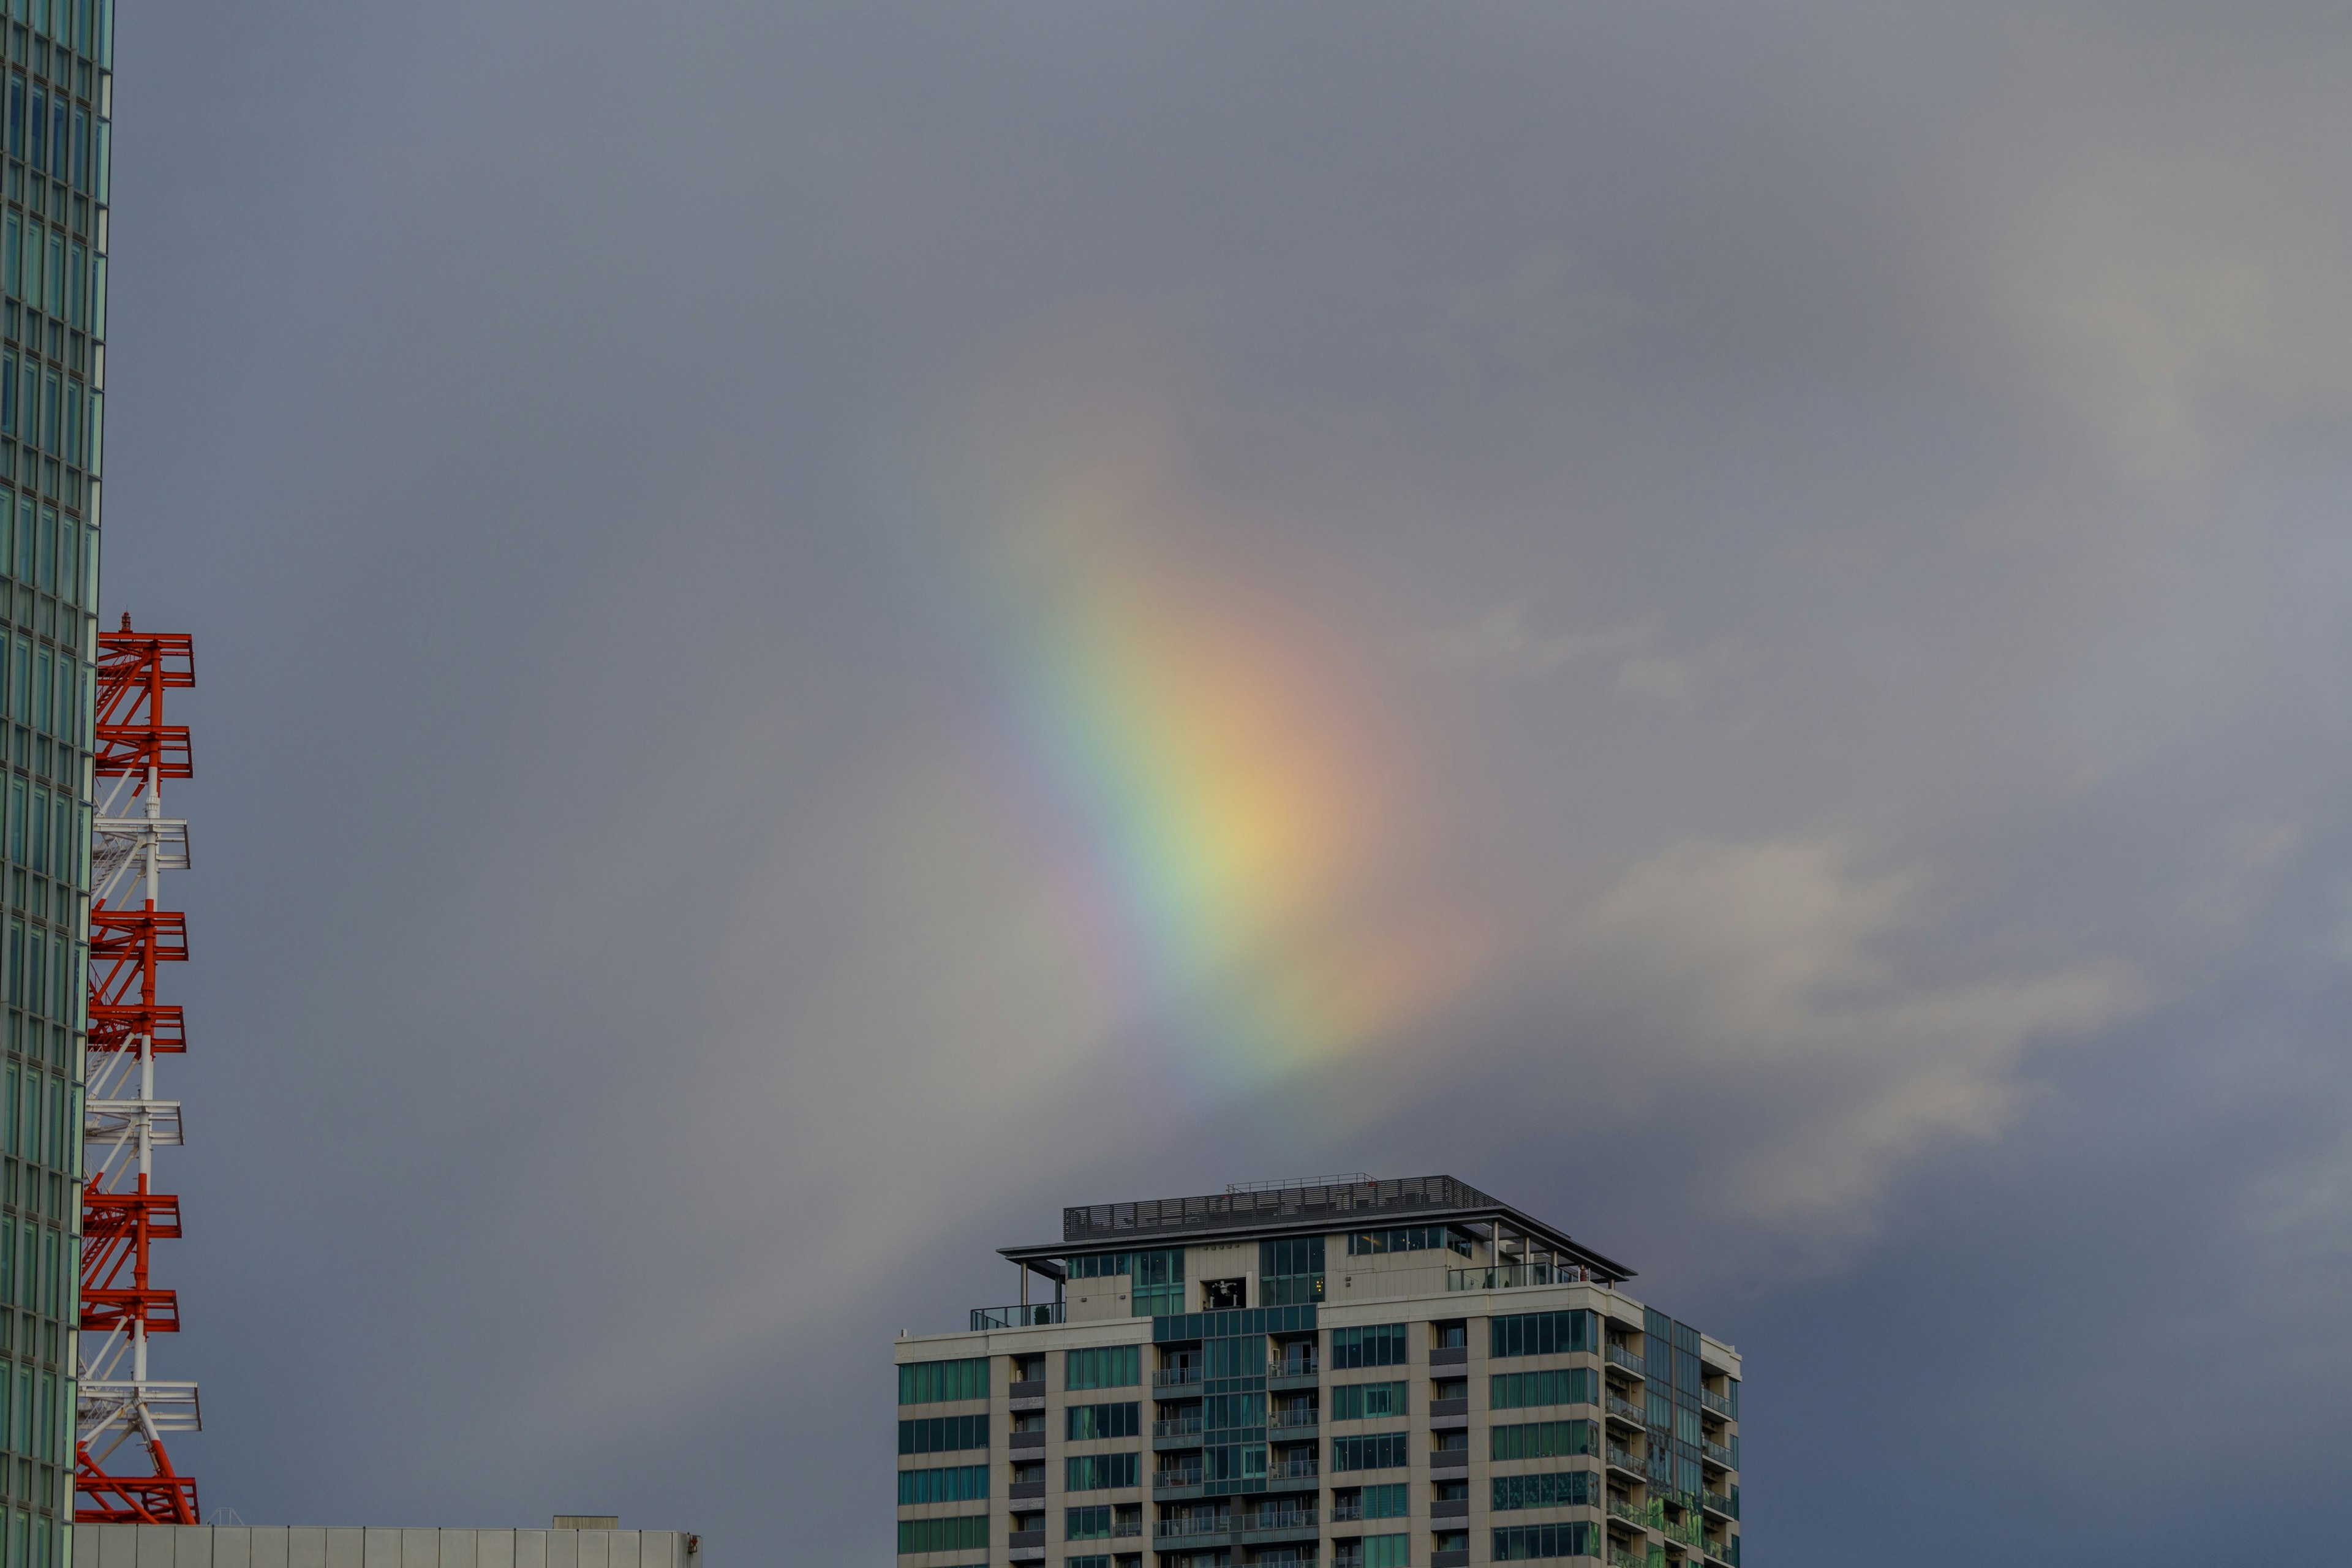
x: 1086, y: 1523
x: 1543, y: 1440
x: 1560, y: 1489
x: 1112, y: 1366
x: 1098, y: 1472
x: 1409, y: 1238
x: 1086, y: 1422
x: 955, y: 1483
x: 1527, y: 1540
x: 936, y: 1382
x: 1367, y: 1401
x: 1390, y: 1501
x: 1523, y: 1390
x: 1382, y: 1344
x: 968, y: 1534
x: 943, y: 1433
x: 1544, y: 1333
x: 1384, y: 1451
x: 1387, y: 1551
x: 1290, y: 1272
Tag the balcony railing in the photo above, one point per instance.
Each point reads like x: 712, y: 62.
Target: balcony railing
x: 1280, y: 1419
x: 1632, y: 1412
x: 1128, y: 1527
x: 1632, y: 1512
x: 1622, y: 1460
x: 1726, y: 1506
x: 1513, y: 1276
x: 1620, y: 1558
x: 1017, y: 1317
x: 1297, y: 1467
x: 1281, y: 1519
x: 1347, y: 1512
x: 1720, y: 1455
x: 1718, y: 1402
x: 1178, y: 1529
x: 1344, y: 1557
x: 1180, y: 1426
x: 1175, y: 1376
x: 1619, y: 1356
x: 1293, y: 1366
x: 1173, y: 1480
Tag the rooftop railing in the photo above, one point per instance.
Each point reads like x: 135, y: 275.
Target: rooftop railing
x: 1514, y: 1276
x: 1016, y: 1317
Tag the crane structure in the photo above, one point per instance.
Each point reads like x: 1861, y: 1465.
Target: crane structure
x: 122, y: 1412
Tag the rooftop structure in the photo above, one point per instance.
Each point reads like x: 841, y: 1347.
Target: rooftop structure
x: 1339, y: 1371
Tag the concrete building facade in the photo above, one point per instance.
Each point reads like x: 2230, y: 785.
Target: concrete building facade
x: 1344, y: 1372
x: 330, y: 1546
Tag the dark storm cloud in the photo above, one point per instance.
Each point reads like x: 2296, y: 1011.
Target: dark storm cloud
x: 1834, y: 513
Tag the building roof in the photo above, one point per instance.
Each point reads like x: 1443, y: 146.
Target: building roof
x: 1324, y: 1203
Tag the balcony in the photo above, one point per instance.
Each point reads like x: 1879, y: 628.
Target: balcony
x: 1619, y: 1356
x: 1295, y: 1422
x: 1718, y: 1503
x: 1034, y: 1388
x: 1516, y: 1276
x: 1020, y: 1490
x: 1178, y: 1426
x: 1126, y: 1527
x: 1454, y: 1557
x: 1218, y: 1524
x: 1450, y: 1355
x: 1031, y: 1439
x: 1620, y: 1557
x: 1625, y: 1410
x: 1724, y: 1551
x: 1439, y: 1409
x: 1177, y: 1377
x: 1720, y: 1455
x: 1450, y: 1460
x: 1299, y: 1470
x: 1449, y: 1508
x: 1632, y: 1513
x: 1021, y: 1538
x: 1347, y: 1554
x: 1718, y: 1402
x: 1177, y: 1480
x: 1621, y: 1459
x: 1270, y: 1525
x: 1036, y: 1316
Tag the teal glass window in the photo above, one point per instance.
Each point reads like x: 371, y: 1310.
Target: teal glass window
x: 1290, y: 1271
x: 1556, y: 1489
x: 950, y: 1483
x: 1367, y: 1401
x: 1100, y: 1472
x: 1091, y: 1423
x: 943, y: 1433
x: 1381, y: 1344
x: 1563, y: 1386
x: 1387, y: 1551
x: 967, y: 1533
x: 1523, y: 1541
x: 1543, y: 1334
x: 1110, y: 1366
x: 1382, y: 1451
x: 1086, y: 1523
x: 1543, y: 1439
x: 1393, y: 1500
x: 935, y: 1381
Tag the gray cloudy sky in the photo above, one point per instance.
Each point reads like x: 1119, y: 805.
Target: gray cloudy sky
x: 823, y: 629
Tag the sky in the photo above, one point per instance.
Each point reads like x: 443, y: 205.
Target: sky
x: 823, y: 629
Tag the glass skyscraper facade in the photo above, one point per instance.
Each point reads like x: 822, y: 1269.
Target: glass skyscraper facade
x: 53, y: 245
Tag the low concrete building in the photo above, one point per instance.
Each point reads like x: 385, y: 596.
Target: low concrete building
x: 331, y: 1546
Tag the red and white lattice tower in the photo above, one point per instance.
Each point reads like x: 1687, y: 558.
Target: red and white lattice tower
x: 120, y: 1411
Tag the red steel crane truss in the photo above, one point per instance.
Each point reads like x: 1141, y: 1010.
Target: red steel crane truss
x: 117, y: 1403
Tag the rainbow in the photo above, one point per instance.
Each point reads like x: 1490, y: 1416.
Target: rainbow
x: 1218, y: 795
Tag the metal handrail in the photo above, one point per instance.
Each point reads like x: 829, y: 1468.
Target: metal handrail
x: 1290, y: 1519
x: 1719, y: 1454
x: 1626, y: 1408
x: 1618, y: 1456
x: 1718, y: 1402
x: 1168, y: 1480
x: 1285, y: 1419
x: 1217, y: 1524
x: 1180, y: 1426
x: 1619, y: 1356
x: 1019, y: 1316
x: 1293, y: 1469
x: 1175, y: 1376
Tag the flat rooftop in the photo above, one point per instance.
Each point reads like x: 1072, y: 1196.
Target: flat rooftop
x: 1318, y: 1203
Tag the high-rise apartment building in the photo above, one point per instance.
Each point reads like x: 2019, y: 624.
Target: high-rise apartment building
x: 1344, y: 1372
x: 53, y: 243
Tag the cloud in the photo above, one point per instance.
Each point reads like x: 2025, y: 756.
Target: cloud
x: 1502, y: 642
x: 1760, y: 973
